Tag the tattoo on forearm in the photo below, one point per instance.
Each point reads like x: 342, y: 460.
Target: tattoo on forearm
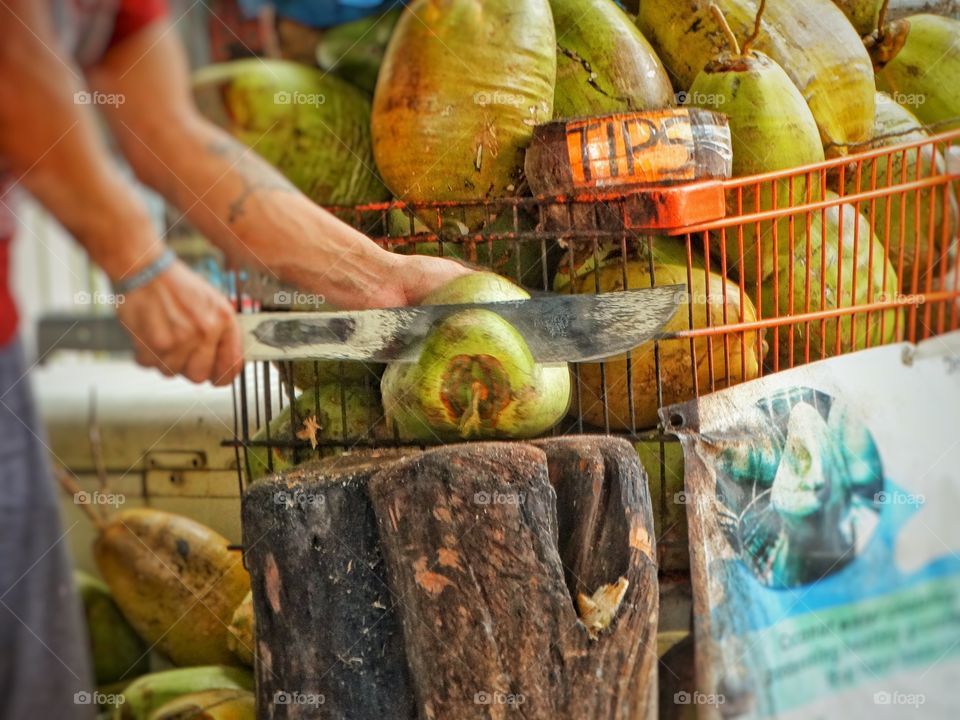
x: 254, y: 172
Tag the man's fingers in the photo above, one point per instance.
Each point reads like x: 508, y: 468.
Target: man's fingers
x: 217, y: 355
x: 182, y: 326
x: 229, y: 355
x: 199, y: 365
x: 174, y: 361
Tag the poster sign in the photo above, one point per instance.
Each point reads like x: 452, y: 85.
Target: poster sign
x: 824, y: 510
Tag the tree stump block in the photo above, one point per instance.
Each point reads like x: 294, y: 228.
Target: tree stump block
x: 484, y: 548
x: 606, y: 531
x: 328, y: 640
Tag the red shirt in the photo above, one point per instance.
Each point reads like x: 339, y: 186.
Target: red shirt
x: 87, y: 29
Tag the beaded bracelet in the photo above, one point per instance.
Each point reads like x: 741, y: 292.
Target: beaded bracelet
x: 141, y: 278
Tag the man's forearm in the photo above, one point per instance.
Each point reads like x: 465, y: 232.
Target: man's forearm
x: 227, y: 191
x: 50, y: 143
x: 251, y: 211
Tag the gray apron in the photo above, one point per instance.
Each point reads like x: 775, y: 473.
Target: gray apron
x: 45, y: 668
x: 44, y: 652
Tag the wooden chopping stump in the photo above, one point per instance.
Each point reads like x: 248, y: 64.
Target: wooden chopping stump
x: 465, y: 608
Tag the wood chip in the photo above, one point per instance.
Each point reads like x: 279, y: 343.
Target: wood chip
x: 598, y: 611
x: 309, y: 431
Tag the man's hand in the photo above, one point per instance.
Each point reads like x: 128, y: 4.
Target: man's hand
x: 419, y: 276
x: 183, y: 326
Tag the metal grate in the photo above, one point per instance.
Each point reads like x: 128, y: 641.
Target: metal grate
x: 812, y: 306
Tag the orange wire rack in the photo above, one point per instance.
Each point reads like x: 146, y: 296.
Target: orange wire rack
x: 808, y: 263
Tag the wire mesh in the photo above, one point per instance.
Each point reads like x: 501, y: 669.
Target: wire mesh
x: 809, y: 263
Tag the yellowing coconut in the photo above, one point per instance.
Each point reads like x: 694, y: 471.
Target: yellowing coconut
x: 209, y: 705
x: 175, y: 580
x: 146, y: 695
x: 710, y: 300
x: 462, y: 85
x: 241, y: 639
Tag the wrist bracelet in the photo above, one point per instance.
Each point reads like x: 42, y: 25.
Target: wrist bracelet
x: 137, y: 280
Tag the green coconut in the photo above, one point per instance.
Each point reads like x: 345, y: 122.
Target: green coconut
x: 209, y: 705
x: 117, y: 651
x: 917, y: 61
x: 313, y: 127
x: 662, y: 459
x: 475, y: 377
x: 308, y: 374
x: 241, y: 639
x: 862, y: 14
x: 147, y: 694
x: 916, y: 260
x: 811, y: 40
x: 765, y: 111
x: 462, y: 86
x: 338, y: 413
x: 771, y: 129
x: 604, y: 64
x: 354, y: 50
x: 848, y: 277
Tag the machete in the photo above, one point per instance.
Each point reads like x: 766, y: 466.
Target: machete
x: 557, y: 328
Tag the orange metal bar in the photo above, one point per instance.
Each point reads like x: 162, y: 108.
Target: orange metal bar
x: 946, y: 137
x: 777, y: 213
x: 816, y: 315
